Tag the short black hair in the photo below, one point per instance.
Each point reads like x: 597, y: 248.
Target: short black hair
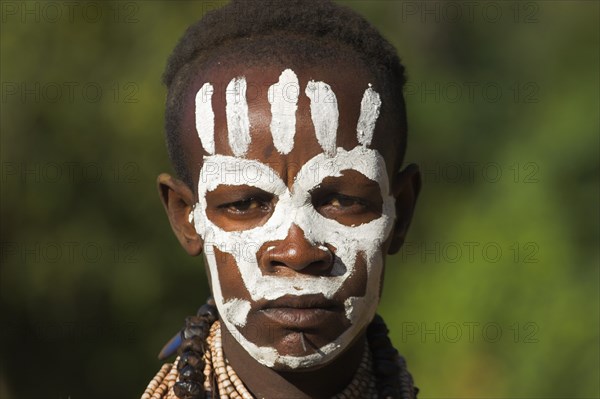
x: 277, y: 30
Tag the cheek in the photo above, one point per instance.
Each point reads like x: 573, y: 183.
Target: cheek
x: 208, y: 273
x: 230, y: 279
x: 356, y: 283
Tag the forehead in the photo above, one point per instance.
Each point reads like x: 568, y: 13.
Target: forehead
x: 347, y: 85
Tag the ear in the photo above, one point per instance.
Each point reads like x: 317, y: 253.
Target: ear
x: 178, y: 201
x: 405, y: 188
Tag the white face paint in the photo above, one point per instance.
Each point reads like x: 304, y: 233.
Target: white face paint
x: 235, y: 311
x: 283, y: 97
x: 324, y: 113
x: 238, y: 125
x: 294, y: 206
x: 205, y: 118
x: 369, y: 112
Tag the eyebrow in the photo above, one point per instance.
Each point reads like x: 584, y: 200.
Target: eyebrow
x: 338, y: 181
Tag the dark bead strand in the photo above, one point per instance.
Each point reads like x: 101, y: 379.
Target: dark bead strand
x: 406, y: 380
x: 191, y: 363
x: 190, y: 358
x: 209, y: 311
x: 187, y: 390
x: 393, y: 379
x: 193, y: 344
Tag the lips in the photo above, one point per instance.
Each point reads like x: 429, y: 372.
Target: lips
x: 300, y: 312
x: 298, y: 302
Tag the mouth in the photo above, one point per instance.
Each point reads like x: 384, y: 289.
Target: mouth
x: 300, y: 313
x: 299, y: 302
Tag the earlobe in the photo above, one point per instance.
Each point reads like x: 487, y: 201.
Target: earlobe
x: 406, y: 188
x: 178, y: 200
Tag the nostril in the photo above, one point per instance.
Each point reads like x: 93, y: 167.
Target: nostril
x: 305, y: 259
x: 321, y: 268
x: 326, y: 257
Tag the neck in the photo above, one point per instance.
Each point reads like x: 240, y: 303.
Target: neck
x: 323, y: 382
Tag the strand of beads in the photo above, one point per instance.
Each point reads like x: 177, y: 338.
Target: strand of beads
x: 162, y: 383
x: 191, y: 362
x: 208, y: 370
x: 230, y: 386
x: 363, y: 384
x: 393, y: 379
x: 154, y: 387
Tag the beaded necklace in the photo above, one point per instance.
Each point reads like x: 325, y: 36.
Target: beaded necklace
x: 202, y: 371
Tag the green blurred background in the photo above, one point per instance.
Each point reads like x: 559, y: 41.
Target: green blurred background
x: 496, y: 293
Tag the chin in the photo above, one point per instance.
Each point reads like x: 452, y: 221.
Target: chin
x: 289, y: 354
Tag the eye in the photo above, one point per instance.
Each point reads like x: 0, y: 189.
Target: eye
x: 236, y: 208
x: 344, y: 202
x: 348, y: 210
x: 350, y: 199
x: 246, y: 205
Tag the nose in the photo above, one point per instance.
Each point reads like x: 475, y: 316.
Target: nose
x: 296, y: 254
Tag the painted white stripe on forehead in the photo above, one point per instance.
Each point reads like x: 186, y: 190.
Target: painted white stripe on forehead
x: 238, y: 125
x: 324, y: 113
x: 205, y: 118
x: 369, y: 112
x: 283, y: 97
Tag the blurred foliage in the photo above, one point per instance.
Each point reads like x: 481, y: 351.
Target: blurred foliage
x: 496, y: 293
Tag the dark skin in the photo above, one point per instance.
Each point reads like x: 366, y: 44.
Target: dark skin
x: 349, y: 199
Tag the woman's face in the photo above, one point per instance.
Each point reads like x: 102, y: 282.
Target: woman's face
x: 294, y: 206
